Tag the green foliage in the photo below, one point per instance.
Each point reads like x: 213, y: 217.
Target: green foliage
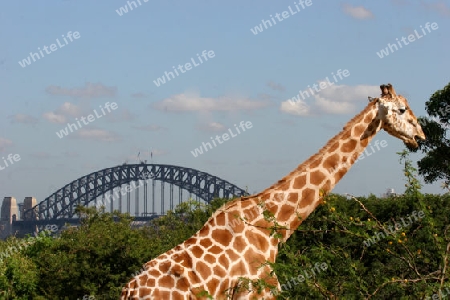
x: 435, y: 164
x: 97, y: 258
x: 19, y: 277
x: 403, y: 265
x: 346, y: 249
x: 413, y: 185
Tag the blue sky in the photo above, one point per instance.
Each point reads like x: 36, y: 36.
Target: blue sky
x: 250, y: 78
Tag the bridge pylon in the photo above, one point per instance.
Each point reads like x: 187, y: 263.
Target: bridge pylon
x: 9, y: 213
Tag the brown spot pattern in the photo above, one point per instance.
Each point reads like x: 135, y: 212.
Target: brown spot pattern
x: 340, y: 174
x: 348, y: 146
x: 257, y: 240
x: 187, y: 260
x: 166, y: 281
x: 232, y: 255
x: 190, y: 241
x: 219, y: 271
x: 334, y: 147
x: 182, y: 284
x: 204, y: 231
x: 177, y: 270
x: 223, y: 260
x: 293, y: 197
x: 164, y: 266
x: 358, y: 130
x: 255, y: 260
x: 239, y: 243
x: 143, y: 279
x: 210, y: 259
x: 215, y: 250
x: 160, y: 294
x: 308, y: 196
x: 150, y: 282
x: 251, y: 213
x: 222, y: 236
x: 197, y: 251
x: 203, y: 269
x: 212, y: 285
x: 286, y: 212
x: 245, y: 204
x: 299, y: 182
x: 177, y: 296
x: 205, y: 243
x: 220, y: 219
x: 316, y: 177
x: 331, y: 161
x: 315, y: 164
x: 224, y: 285
x: 193, y: 277
x: 238, y: 269
x: 346, y: 135
x: 154, y: 272
x: 285, y: 186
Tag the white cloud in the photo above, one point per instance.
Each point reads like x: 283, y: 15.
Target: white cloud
x: 276, y: 86
x: 96, y: 134
x: 212, y: 127
x: 61, y: 113
x: 195, y: 103
x: 68, y: 109
x: 347, y: 93
x: 158, y: 152
x: 42, y: 155
x: 139, y: 95
x: 439, y: 6
x: 23, y: 119
x: 141, y: 155
x: 54, y: 118
x: 90, y: 90
x: 299, y: 108
x: 71, y: 154
x: 334, y: 107
x: 334, y: 99
x: 4, y: 143
x: 149, y: 128
x: 122, y: 115
x: 400, y: 2
x: 357, y: 12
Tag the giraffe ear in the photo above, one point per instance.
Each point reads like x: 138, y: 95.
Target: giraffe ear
x: 371, y: 99
x: 370, y: 128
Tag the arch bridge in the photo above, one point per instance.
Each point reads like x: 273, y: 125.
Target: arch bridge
x: 109, y: 186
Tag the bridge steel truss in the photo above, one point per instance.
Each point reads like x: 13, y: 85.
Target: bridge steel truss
x: 84, y: 190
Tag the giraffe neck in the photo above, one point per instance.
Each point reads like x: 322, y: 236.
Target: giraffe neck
x: 295, y: 197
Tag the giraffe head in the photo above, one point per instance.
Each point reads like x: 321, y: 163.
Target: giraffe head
x: 395, y: 117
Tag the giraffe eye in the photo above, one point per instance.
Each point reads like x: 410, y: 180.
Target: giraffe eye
x: 402, y: 110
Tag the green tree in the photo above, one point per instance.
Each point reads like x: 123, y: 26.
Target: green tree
x: 435, y: 165
x: 96, y: 258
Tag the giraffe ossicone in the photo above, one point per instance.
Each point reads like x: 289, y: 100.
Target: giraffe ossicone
x: 229, y: 255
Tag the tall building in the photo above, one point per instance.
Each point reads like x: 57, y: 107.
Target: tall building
x: 9, y: 213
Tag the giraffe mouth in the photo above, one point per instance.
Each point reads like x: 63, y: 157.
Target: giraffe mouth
x: 412, y: 142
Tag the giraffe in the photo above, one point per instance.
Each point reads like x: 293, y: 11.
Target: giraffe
x: 237, y: 242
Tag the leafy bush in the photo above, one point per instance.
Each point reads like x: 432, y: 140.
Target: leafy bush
x: 348, y: 248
